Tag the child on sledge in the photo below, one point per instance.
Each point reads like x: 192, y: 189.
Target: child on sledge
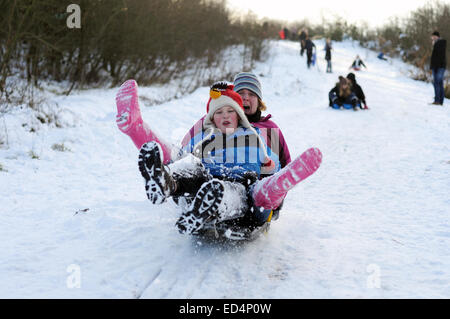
x: 357, y: 63
x: 381, y: 56
x: 248, y: 86
x: 228, y: 158
x: 342, y: 94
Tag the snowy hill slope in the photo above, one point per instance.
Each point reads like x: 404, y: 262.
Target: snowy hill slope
x: 372, y: 222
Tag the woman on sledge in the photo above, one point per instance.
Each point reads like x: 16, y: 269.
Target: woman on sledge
x: 358, y: 91
x: 342, y: 94
x: 228, y: 158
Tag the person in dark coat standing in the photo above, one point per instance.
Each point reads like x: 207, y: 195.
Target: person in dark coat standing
x: 286, y: 33
x: 437, y: 66
x: 328, y: 49
x: 309, y: 46
x: 356, y: 88
x: 302, y: 38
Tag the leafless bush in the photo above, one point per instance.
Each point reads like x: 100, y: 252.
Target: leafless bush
x: 151, y: 41
x: 409, y: 38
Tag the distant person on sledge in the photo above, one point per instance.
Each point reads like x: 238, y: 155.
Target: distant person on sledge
x: 381, y: 56
x: 309, y: 47
x: 357, y: 63
x: 341, y: 96
x: 358, y: 91
x: 328, y: 49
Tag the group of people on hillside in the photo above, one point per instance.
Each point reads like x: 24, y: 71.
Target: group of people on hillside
x: 307, y: 45
x: 233, y: 124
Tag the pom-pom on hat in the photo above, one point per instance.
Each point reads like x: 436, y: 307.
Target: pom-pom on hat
x: 222, y: 94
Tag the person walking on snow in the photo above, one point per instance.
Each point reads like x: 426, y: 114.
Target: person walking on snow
x: 357, y: 90
x: 310, y: 47
x: 357, y: 63
x: 328, y: 49
x: 302, y: 38
x: 438, y: 65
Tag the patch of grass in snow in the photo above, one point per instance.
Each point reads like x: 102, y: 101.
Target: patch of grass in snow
x: 33, y: 155
x: 3, y: 134
x: 60, y: 147
x: 2, y: 169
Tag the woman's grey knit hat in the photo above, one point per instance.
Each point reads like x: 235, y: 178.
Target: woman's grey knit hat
x: 249, y: 81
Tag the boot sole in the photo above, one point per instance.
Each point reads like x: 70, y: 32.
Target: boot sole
x: 204, y: 208
x: 150, y: 166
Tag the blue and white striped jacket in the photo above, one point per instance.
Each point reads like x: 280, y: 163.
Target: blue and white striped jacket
x: 231, y: 155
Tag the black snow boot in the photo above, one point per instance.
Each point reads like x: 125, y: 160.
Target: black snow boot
x: 204, y: 208
x: 158, y: 183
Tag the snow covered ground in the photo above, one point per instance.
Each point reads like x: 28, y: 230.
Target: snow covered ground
x: 372, y: 222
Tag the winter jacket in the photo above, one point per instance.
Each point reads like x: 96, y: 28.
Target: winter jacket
x: 302, y: 36
x: 328, y: 52
x: 276, y: 145
x: 337, y: 97
x: 438, y: 59
x: 357, y: 63
x: 309, y: 45
x: 230, y: 155
x: 356, y: 88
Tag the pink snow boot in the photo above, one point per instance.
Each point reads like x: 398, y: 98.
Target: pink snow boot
x: 270, y: 191
x: 129, y: 119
